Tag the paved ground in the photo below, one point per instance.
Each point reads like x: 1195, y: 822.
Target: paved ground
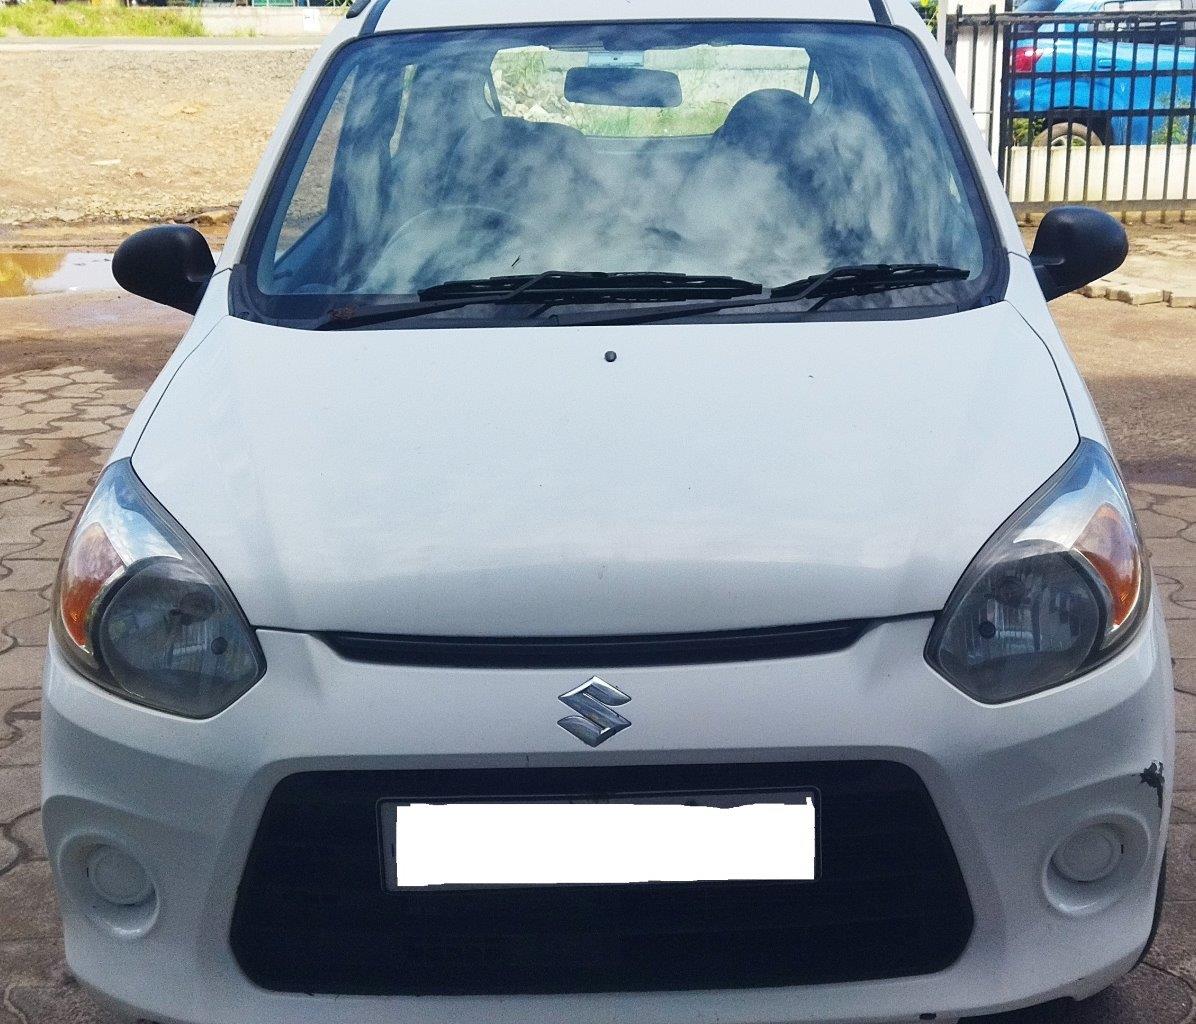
x: 1161, y: 267
x: 72, y: 369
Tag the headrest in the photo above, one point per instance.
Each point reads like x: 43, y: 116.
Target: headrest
x: 501, y: 148
x: 764, y: 122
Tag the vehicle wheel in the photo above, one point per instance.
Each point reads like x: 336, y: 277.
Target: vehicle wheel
x: 1065, y: 133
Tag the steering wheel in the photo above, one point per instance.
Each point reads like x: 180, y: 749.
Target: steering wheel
x: 462, y: 211
x: 454, y: 242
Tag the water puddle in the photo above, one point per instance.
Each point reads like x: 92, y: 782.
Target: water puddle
x: 46, y: 273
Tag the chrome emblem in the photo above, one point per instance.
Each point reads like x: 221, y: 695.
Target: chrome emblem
x: 596, y: 720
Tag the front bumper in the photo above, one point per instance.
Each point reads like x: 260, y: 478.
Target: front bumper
x: 1009, y: 784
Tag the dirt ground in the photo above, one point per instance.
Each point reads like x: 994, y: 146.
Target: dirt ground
x: 125, y: 135
x: 1140, y: 365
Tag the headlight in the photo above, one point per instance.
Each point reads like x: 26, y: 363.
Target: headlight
x: 140, y: 610
x: 1060, y: 588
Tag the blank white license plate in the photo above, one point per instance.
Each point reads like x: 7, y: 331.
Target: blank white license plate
x: 488, y: 844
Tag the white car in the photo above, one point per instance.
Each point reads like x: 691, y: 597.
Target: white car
x: 621, y: 541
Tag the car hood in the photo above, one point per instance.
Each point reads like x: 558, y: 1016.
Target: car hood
x: 514, y: 482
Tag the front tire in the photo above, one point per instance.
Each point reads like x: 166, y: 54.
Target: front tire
x: 1068, y: 133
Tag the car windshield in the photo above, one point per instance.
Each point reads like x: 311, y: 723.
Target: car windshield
x: 764, y: 153
x: 1038, y: 6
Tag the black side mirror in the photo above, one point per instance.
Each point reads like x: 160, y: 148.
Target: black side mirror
x: 170, y: 264
x: 1074, y: 246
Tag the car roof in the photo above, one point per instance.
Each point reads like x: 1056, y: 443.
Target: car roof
x: 399, y: 15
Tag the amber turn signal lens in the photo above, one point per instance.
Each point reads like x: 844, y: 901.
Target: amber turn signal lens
x: 1111, y: 547
x: 90, y: 563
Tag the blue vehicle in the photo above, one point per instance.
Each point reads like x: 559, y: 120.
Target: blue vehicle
x: 1106, y: 82
x: 1160, y: 27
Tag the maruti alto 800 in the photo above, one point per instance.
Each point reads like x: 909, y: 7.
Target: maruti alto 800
x: 622, y: 540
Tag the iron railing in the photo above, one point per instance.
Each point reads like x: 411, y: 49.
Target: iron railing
x: 1090, y: 108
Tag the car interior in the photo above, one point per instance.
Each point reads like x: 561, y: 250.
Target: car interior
x: 436, y: 173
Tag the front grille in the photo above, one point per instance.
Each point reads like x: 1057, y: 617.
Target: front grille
x: 644, y: 650
x: 313, y: 914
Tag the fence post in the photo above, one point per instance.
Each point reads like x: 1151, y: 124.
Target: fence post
x: 1003, y: 68
x: 951, y: 37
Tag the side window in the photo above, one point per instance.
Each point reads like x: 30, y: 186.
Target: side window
x: 310, y: 200
x: 530, y: 84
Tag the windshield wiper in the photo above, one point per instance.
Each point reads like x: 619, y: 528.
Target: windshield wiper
x: 552, y: 288
x: 594, y: 286
x: 839, y: 283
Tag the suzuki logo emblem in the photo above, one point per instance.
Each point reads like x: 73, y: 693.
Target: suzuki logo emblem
x: 596, y: 720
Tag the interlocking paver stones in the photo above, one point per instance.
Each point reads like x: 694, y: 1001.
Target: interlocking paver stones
x: 36, y: 504
x: 9, y: 852
x: 20, y: 792
x: 19, y: 529
x: 1146, y: 995
x: 26, y: 748
x: 21, y: 667
x: 1185, y: 760
x: 11, y: 701
x: 1175, y: 946
x: 33, y: 628
x: 75, y: 485
x: 1173, y: 551
x: 1185, y: 715
x: 55, y: 405
x: 26, y: 891
x: 80, y: 391
x: 1183, y: 641
x: 20, y: 727
x: 98, y: 410
x: 78, y: 428
x: 1156, y: 525
x: 44, y: 381
x: 1185, y: 677
x: 17, y: 606
x: 1183, y: 808
x: 47, y: 541
x: 65, y: 1001
x: 26, y: 832
x: 1179, y: 592
x: 12, y: 420
x: 26, y: 574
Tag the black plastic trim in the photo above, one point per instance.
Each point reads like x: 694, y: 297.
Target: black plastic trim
x: 371, y: 23
x: 313, y: 914
x: 592, y: 652
x: 880, y: 12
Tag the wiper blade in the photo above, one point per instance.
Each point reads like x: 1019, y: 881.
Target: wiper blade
x: 868, y: 279
x: 839, y: 283
x: 595, y: 286
x: 553, y: 287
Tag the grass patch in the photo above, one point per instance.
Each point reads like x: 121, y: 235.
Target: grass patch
x: 43, y: 18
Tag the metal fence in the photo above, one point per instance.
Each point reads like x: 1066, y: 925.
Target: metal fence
x: 1089, y: 108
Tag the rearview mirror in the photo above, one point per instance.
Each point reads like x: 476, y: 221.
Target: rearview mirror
x: 170, y: 264
x: 1074, y: 246
x: 623, y: 87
